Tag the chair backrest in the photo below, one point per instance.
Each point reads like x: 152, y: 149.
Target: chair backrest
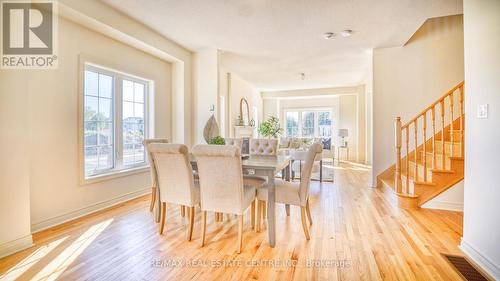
x: 234, y: 141
x: 152, y: 168
x: 174, y: 173
x: 263, y: 146
x: 305, y: 177
x: 221, y: 178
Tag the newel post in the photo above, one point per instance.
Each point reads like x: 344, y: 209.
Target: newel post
x: 398, y: 136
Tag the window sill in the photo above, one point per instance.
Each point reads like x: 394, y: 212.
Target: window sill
x: 114, y: 174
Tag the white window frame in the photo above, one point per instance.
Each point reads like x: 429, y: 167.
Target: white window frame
x: 119, y: 169
x: 316, y: 120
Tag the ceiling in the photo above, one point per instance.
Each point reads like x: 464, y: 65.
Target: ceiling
x: 270, y: 42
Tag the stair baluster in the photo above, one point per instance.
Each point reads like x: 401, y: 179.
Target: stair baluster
x: 397, y: 180
x: 407, y: 158
x: 442, y: 135
x: 433, y: 116
x: 461, y: 121
x: 416, y: 148
x: 451, y: 124
x: 424, y: 159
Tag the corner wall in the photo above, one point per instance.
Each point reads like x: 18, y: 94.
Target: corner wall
x: 482, y: 137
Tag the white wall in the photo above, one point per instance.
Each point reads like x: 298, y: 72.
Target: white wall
x: 205, y: 90
x: 39, y: 185
x: 53, y: 107
x: 482, y: 137
x: 238, y: 88
x: 15, y: 233
x: 407, y: 79
x: 451, y: 200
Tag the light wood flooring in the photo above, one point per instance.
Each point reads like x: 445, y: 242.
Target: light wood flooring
x: 357, y: 235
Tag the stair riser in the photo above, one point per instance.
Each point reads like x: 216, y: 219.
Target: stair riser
x: 447, y: 137
x: 447, y: 148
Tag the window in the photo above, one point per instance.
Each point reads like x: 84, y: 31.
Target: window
x: 308, y: 123
x: 292, y: 124
x: 256, y: 121
x: 115, y: 121
x: 222, y: 110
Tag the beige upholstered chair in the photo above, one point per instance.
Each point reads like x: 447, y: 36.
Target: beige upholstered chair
x: 221, y: 184
x: 263, y: 146
x: 234, y: 141
x: 175, y: 179
x: 152, y: 170
x: 293, y: 193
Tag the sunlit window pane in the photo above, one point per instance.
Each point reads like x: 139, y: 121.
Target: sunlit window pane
x: 128, y: 90
x: 307, y: 124
x: 105, y: 86
x: 292, y: 124
x: 133, y: 125
x: 98, y: 122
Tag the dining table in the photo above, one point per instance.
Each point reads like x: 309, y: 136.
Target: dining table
x: 258, y: 165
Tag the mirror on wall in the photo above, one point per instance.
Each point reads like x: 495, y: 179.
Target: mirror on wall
x: 244, y: 113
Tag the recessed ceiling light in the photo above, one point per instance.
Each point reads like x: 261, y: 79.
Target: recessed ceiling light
x: 346, y: 33
x: 328, y: 35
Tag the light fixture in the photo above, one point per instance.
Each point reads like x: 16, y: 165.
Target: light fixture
x: 328, y: 35
x: 303, y: 76
x: 346, y: 33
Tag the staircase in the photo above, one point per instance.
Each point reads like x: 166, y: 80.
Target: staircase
x: 429, y: 152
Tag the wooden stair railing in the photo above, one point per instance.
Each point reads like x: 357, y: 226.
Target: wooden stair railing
x: 403, y: 135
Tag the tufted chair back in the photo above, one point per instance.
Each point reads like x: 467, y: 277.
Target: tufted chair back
x: 305, y: 177
x: 152, y: 166
x: 221, y: 178
x: 174, y: 173
x: 234, y: 141
x: 263, y: 146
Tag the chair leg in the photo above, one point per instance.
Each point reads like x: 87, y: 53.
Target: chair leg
x: 183, y: 211
x: 153, y: 198
x: 162, y: 216
x: 252, y: 211
x: 240, y: 232
x: 259, y: 215
x: 191, y: 222
x: 309, y: 212
x: 304, y: 223
x: 203, y: 226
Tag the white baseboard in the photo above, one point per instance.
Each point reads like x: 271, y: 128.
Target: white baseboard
x: 480, y: 260
x: 15, y: 245
x: 444, y: 205
x: 51, y: 222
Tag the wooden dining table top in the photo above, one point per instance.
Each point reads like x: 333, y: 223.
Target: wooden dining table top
x: 268, y: 162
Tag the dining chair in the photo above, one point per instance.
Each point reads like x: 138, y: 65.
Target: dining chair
x: 292, y: 193
x: 152, y: 170
x: 175, y: 179
x: 238, y: 142
x: 221, y: 185
x: 263, y: 146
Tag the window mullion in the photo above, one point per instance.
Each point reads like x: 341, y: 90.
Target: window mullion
x: 118, y: 97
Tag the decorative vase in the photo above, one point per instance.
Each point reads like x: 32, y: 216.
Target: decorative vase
x: 211, y: 129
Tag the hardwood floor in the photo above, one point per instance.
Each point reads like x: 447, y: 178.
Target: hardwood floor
x: 357, y: 235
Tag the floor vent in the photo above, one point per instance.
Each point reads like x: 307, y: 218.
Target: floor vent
x: 467, y: 271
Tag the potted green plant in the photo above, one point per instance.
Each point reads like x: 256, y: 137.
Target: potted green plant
x: 270, y: 128
x: 218, y: 140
